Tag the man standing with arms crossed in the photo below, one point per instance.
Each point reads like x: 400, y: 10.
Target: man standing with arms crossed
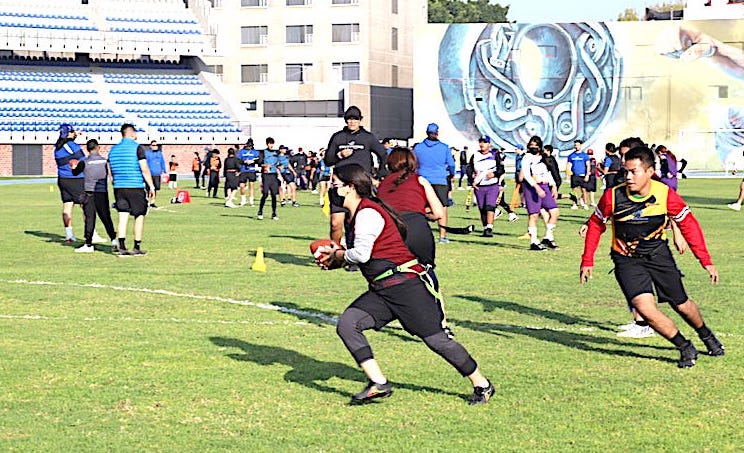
x: 248, y: 155
x: 436, y: 165
x: 130, y: 173
x: 351, y: 145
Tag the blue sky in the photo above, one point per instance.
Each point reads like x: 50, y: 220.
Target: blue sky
x: 531, y: 11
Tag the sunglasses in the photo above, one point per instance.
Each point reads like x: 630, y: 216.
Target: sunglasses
x: 354, y: 118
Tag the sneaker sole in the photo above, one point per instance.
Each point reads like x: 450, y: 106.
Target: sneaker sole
x: 368, y: 399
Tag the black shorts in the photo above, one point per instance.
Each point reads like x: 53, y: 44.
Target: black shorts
x: 591, y: 185
x: 231, y: 180
x: 325, y: 178
x: 172, y: 177
x: 133, y: 201
x: 155, y: 182
x: 578, y: 181
x: 71, y: 190
x: 247, y: 176
x: 639, y: 275
x: 409, y: 302
x: 442, y: 193
x: 269, y: 184
x: 289, y: 178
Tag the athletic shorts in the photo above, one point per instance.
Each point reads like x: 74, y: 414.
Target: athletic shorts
x: 591, y: 185
x: 71, y: 190
x: 155, y: 182
x: 487, y: 196
x: 133, y: 201
x: 269, y: 184
x: 325, y: 178
x: 577, y: 181
x: 409, y: 302
x: 288, y: 178
x: 643, y: 274
x: 173, y: 177
x: 247, y: 176
x: 534, y: 203
x: 231, y: 180
x: 442, y: 191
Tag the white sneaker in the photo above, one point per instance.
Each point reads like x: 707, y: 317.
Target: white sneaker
x: 497, y: 214
x: 513, y: 217
x: 460, y: 188
x: 637, y: 332
x: 574, y: 207
x: 627, y: 326
x: 230, y: 204
x: 85, y: 249
x: 734, y: 206
x: 97, y: 239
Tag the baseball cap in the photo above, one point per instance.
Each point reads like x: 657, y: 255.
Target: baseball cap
x: 353, y: 112
x: 432, y: 128
x: 590, y: 151
x: 249, y: 142
x: 520, y: 146
x: 65, y: 129
x: 485, y: 139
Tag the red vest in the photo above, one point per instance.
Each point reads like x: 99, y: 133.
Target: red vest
x: 389, y: 245
x: 408, y: 196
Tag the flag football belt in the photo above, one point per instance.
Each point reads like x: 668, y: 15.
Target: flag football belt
x: 412, y: 267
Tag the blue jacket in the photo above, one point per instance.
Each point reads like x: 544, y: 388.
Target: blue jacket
x: 435, y: 161
x: 64, y: 155
x: 155, y: 161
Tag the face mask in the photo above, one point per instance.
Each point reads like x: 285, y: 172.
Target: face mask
x: 533, y: 150
x: 335, y: 198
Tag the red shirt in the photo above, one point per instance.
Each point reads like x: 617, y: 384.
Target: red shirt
x: 409, y: 195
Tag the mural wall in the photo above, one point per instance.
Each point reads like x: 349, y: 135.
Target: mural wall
x: 677, y: 83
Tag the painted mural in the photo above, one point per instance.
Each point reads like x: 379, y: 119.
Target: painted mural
x: 679, y: 83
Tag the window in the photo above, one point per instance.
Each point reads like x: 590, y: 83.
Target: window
x: 346, y: 71
x: 394, y: 76
x: 254, y: 73
x: 345, y: 33
x: 633, y: 93
x: 303, y: 109
x: 394, y: 6
x: 217, y: 69
x: 299, y: 34
x: 253, y: 35
x: 250, y: 105
x: 297, y: 72
x: 345, y: 2
x: 299, y: 2
x: 394, y: 39
x: 261, y: 3
x: 720, y: 91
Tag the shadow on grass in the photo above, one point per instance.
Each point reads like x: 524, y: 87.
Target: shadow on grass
x: 326, y: 318
x: 299, y: 238
x: 491, y: 305
x: 574, y: 340
x: 290, y: 258
x: 59, y: 239
x: 305, y: 370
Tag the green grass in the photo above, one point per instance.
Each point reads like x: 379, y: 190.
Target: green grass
x: 209, y: 366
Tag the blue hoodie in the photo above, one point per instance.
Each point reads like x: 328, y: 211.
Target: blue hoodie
x: 435, y: 161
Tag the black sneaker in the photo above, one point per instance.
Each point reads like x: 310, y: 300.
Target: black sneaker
x: 351, y: 268
x: 372, y: 391
x: 687, y: 355
x: 283, y: 202
x: 295, y: 204
x: 537, y: 247
x: 548, y: 244
x: 481, y: 395
x: 138, y: 252
x: 124, y: 252
x: 487, y: 232
x: 714, y: 347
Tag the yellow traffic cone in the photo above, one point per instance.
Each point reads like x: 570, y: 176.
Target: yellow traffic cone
x: 259, y: 265
x: 326, y: 205
x: 51, y: 188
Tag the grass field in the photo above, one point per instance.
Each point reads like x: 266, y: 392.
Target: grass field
x: 187, y: 349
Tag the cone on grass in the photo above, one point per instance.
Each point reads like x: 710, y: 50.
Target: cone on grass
x: 326, y: 205
x: 258, y: 264
x: 51, y: 188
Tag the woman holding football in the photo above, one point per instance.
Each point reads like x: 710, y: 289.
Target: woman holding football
x: 399, y: 287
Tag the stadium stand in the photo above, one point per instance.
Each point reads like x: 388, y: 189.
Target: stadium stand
x: 98, y: 64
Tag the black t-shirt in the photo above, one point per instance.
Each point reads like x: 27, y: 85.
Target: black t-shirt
x: 362, y: 142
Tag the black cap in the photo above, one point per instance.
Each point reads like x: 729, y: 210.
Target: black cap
x: 353, y: 112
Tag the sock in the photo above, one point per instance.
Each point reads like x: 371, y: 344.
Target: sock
x: 490, y: 225
x: 532, y: 231
x: 679, y: 340
x: 122, y: 244
x: 251, y: 200
x: 137, y: 244
x: 242, y: 199
x: 703, y: 331
x: 550, y: 229
x: 68, y: 232
x: 642, y: 323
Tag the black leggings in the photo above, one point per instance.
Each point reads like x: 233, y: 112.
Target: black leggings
x: 196, y: 178
x: 97, y: 202
x: 214, y: 183
x: 418, y: 313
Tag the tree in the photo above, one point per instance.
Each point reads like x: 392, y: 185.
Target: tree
x: 628, y: 15
x: 466, y: 11
x: 631, y: 15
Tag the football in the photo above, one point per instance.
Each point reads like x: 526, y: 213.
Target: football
x: 321, y: 247
x: 73, y: 163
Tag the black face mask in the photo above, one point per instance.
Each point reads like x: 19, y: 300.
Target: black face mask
x: 335, y: 198
x: 533, y: 150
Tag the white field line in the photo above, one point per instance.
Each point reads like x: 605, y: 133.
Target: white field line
x: 246, y: 303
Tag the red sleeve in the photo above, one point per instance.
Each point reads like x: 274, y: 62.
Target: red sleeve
x: 689, y: 226
x: 597, y: 224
